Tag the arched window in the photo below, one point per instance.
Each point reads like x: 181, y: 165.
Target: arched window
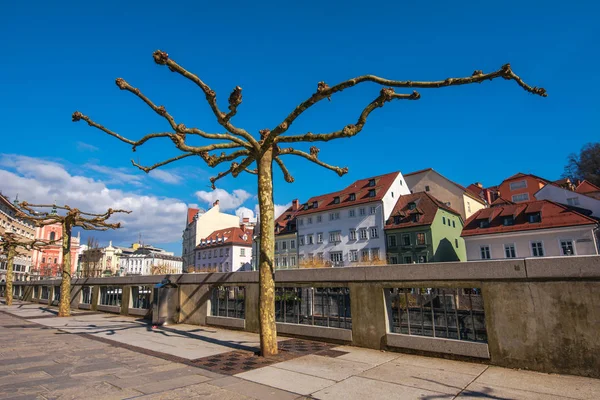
x: 43, y: 260
x: 52, y: 235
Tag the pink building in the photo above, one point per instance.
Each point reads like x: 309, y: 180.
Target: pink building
x: 48, y: 262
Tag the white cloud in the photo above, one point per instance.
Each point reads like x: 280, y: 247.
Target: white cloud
x: 117, y: 175
x: 227, y: 201
x: 165, y: 176
x: 244, y: 212
x: 82, y: 146
x: 280, y: 209
x: 159, y: 220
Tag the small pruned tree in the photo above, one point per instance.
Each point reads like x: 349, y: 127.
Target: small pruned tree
x: 69, y: 218
x: 265, y: 149
x: 10, y: 244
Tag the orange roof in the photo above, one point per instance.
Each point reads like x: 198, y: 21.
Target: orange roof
x: 287, y: 220
x: 553, y: 215
x: 520, y: 175
x: 191, y: 214
x: 587, y: 187
x: 360, y: 189
x: 227, y: 237
x: 500, y: 201
x: 425, y: 204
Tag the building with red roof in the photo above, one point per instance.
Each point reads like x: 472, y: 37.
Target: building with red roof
x: 521, y: 187
x: 286, y: 237
x: 589, y: 189
x: 423, y: 229
x: 539, y: 228
x: 225, y: 250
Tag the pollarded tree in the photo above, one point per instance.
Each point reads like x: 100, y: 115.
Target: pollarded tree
x: 68, y: 218
x: 264, y: 150
x: 10, y: 243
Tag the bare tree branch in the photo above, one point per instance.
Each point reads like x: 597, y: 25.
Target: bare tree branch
x: 213, y: 161
x: 324, y: 91
x: 160, y: 110
x: 235, y: 99
x: 313, y: 157
x: 386, y: 94
x: 286, y: 174
x: 162, y: 58
x: 160, y: 164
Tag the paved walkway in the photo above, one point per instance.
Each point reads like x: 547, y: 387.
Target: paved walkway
x: 103, y: 356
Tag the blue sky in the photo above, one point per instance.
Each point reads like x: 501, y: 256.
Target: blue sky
x: 62, y: 58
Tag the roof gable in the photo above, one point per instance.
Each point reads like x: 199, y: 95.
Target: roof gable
x: 586, y: 187
x: 428, y: 171
x: 425, y: 205
x: 227, y: 237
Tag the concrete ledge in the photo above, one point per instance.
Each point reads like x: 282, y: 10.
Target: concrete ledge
x: 83, y: 306
x: 237, y: 323
x: 563, y: 267
x: 438, y: 345
x: 344, y: 335
x: 140, y: 312
x: 110, y: 309
x: 42, y: 301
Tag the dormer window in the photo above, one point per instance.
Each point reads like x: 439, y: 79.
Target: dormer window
x: 352, y: 197
x: 412, y: 206
x: 416, y: 217
x: 484, y: 223
x: 372, y: 193
x: 371, y: 182
x: 535, y: 217
x: 396, y: 220
x: 306, y: 206
x: 315, y: 204
x: 509, y: 220
x: 336, y: 200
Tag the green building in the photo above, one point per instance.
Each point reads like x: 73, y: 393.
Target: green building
x: 423, y: 229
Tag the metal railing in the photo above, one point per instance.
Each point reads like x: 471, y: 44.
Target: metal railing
x: 140, y: 297
x: 455, y: 313
x: 45, y: 293
x: 56, y: 294
x: 228, y: 301
x: 86, y: 294
x: 111, y: 295
x: 329, y: 307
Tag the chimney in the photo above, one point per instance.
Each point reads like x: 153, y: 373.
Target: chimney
x: 295, y: 205
x: 243, y: 227
x: 478, y: 184
x: 216, y: 203
x: 245, y: 220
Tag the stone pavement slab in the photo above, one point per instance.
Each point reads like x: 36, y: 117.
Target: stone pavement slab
x: 358, y: 388
x: 286, y: 380
x: 324, y: 367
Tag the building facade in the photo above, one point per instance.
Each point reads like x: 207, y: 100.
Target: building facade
x: 587, y: 205
x: 47, y: 262
x: 225, y: 250
x: 534, y: 229
x: 448, y: 192
x: 286, y: 238
x: 24, y: 229
x: 200, y: 224
x: 148, y: 260
x: 346, y: 228
x: 422, y: 229
x: 521, y: 187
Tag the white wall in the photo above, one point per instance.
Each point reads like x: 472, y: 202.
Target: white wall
x: 227, y: 258
x: 560, y: 195
x: 289, y: 255
x: 583, y: 241
x: 399, y: 187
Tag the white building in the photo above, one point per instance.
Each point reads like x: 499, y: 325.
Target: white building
x: 199, y: 225
x: 346, y: 228
x: 225, y: 250
x: 570, y: 198
x: 533, y: 229
x: 286, y: 238
x: 150, y: 261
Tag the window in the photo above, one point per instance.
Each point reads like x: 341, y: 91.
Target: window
x: 215, y: 252
x: 371, y: 182
x: 276, y: 246
x: 300, y: 221
x: 374, y: 233
x: 292, y: 261
x: 406, y: 240
x: 422, y: 259
x: 301, y: 239
x: 363, y: 234
x: 453, y: 224
x: 420, y: 238
x: 484, y: 223
x: 352, y: 197
x: 284, y: 245
x: 315, y: 204
x: 43, y: 260
x: 319, y: 218
x: 416, y: 217
x: 334, y: 237
x: 353, y: 255
x: 276, y: 262
x: 364, y: 255
x: 52, y: 235
x: 352, y: 234
x: 396, y: 219
x: 468, y: 207
x: 334, y: 216
x: 520, y: 197
x: 242, y: 252
x: 372, y: 193
x: 284, y: 262
x: 209, y: 254
x: 456, y: 243
x: 336, y: 200
x: 310, y: 239
x: 518, y: 185
x: 372, y: 210
x: 534, y: 217
x: 485, y: 252
x: 566, y: 247
x: 537, y: 249
x: 309, y: 220
x: 352, y: 213
x: 412, y: 206
x: 226, y: 252
x: 509, y: 251
x: 320, y: 256
x: 392, y: 240
x: 292, y: 244
x: 407, y: 260
x: 320, y: 237
x: 362, y: 211
x: 221, y: 253
x: 509, y: 220
x: 444, y: 220
x: 375, y: 254
x: 336, y: 257
x: 573, y: 201
x: 393, y: 259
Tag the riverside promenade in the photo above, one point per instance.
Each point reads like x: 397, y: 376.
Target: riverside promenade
x: 105, y: 356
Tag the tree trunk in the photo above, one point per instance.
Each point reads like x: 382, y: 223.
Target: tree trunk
x: 268, y: 331
x: 64, y: 307
x: 9, y: 275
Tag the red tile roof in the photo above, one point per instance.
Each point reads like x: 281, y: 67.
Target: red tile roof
x: 227, y: 237
x: 587, y: 187
x: 191, y: 214
x: 500, y: 201
x: 520, y: 175
x: 360, y: 189
x: 553, y: 215
x: 426, y: 205
x: 286, y: 222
